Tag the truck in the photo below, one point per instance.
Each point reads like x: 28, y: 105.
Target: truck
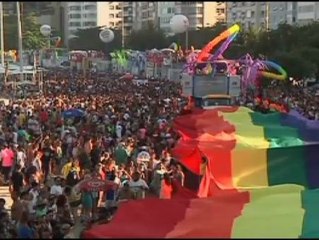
x: 220, y: 83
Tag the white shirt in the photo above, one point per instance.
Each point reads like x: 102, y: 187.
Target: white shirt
x: 56, y: 190
x: 119, y: 131
x: 135, y: 186
x: 21, y: 157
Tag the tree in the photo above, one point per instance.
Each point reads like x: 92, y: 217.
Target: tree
x: 147, y: 38
x: 88, y: 39
x: 31, y: 35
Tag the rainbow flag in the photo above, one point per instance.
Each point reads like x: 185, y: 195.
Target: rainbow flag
x: 260, y: 181
x: 283, y: 211
x: 247, y: 149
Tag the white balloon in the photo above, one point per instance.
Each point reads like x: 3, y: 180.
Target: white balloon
x: 179, y: 23
x: 106, y: 35
x: 45, y: 30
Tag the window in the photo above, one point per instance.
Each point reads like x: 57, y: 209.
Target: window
x: 111, y: 7
x: 74, y: 15
x: 118, y: 7
x: 262, y: 13
x: 111, y: 15
x: 75, y: 8
x: 89, y: 24
x: 199, y: 20
x: 90, y: 7
x: 75, y: 24
x: 90, y: 15
x: 199, y: 10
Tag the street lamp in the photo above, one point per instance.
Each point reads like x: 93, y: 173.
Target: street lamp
x: 179, y: 24
x: 106, y: 35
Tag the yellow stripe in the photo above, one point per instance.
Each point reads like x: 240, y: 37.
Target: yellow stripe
x: 273, y: 212
x: 249, y: 158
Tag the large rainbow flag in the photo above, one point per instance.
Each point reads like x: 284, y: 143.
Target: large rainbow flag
x: 263, y: 172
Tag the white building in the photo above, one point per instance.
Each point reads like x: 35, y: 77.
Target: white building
x: 257, y: 14
x: 202, y: 14
x: 85, y: 15
x: 114, y: 15
x: 307, y: 12
x: 166, y: 10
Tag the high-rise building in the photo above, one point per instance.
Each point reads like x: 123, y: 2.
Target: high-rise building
x: 114, y: 15
x: 291, y: 12
x: 202, y: 14
x: 85, y: 15
x: 165, y: 11
x: 307, y: 12
x: 248, y: 14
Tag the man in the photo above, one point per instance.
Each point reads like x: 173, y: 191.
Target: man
x: 57, y: 189
x: 17, y: 179
x: 48, y: 155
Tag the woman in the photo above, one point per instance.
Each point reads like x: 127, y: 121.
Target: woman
x: 166, y: 187
x: 178, y: 174
x: 87, y: 200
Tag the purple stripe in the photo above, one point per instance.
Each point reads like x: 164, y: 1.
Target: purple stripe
x: 309, y: 133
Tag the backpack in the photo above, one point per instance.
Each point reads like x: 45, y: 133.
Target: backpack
x: 72, y: 178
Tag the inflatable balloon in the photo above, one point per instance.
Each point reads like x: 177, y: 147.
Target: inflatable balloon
x: 106, y: 35
x: 45, y: 30
x: 179, y: 23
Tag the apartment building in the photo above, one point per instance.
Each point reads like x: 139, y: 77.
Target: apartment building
x: 85, y: 15
x: 145, y: 14
x: 202, y: 14
x: 165, y: 11
x: 306, y: 12
x: 114, y: 13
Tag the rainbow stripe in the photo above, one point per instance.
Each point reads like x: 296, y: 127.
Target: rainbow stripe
x: 285, y: 211
x: 263, y: 173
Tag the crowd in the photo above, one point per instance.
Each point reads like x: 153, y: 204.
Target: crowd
x: 55, y: 147
x: 282, y: 97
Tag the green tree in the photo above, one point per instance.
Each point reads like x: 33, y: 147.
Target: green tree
x: 88, y: 39
x: 147, y: 38
x: 31, y: 35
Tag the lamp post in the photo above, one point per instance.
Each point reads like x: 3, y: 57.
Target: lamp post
x: 180, y: 24
x: 1, y: 34
x: 20, y: 47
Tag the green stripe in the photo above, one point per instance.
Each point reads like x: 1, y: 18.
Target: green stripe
x: 310, y: 202
x: 286, y: 155
x: 273, y: 212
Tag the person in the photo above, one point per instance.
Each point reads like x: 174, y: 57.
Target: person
x: 166, y: 187
x: 17, y: 179
x: 177, y: 174
x: 74, y: 200
x: 125, y: 193
x: 7, y: 156
x: 73, y: 177
x: 138, y: 186
x: 24, y: 230
x: 57, y: 189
